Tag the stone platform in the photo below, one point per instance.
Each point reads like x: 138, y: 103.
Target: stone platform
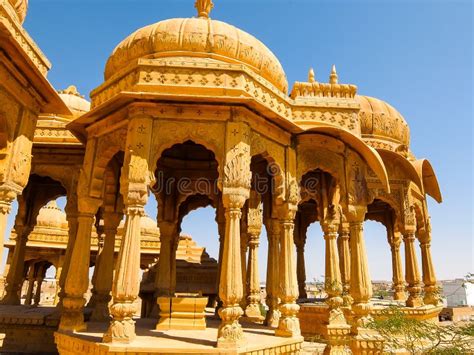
x: 27, y: 329
x: 259, y: 340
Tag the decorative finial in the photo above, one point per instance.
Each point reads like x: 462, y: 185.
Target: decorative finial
x: 203, y: 7
x: 311, y: 78
x: 333, y: 78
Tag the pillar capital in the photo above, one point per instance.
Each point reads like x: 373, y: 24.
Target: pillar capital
x: 235, y: 197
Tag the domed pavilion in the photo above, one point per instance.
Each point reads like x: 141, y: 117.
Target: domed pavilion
x: 195, y: 112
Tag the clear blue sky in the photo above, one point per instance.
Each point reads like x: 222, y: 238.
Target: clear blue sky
x: 417, y: 55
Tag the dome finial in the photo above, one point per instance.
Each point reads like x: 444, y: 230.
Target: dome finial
x: 311, y: 77
x: 203, y: 7
x: 333, y: 78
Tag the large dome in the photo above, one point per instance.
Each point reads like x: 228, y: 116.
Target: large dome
x: 198, y: 37
x: 380, y: 121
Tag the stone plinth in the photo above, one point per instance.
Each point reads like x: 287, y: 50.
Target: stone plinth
x: 260, y: 340
x: 182, y: 313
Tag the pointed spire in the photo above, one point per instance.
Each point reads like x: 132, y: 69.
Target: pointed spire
x: 203, y: 7
x: 311, y: 77
x: 333, y: 78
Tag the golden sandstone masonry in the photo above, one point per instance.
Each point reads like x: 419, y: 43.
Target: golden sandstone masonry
x: 197, y: 112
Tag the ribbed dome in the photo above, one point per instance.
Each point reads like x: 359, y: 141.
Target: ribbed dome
x: 147, y: 226
x: 51, y: 216
x: 75, y: 101
x: 379, y: 120
x: 198, y: 37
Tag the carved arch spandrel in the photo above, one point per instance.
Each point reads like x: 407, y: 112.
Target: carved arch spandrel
x: 166, y: 134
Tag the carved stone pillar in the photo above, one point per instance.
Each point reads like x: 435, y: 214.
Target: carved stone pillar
x: 412, y: 272
x: 77, y: 278
x: 165, y: 282
x: 57, y: 277
x: 39, y: 282
x: 429, y: 278
x: 127, y: 283
x: 300, y: 241
x: 344, y: 259
x: 254, y: 228
x: 244, y: 245
x: 220, y: 219
x: 15, y: 273
x: 397, y: 279
x: 31, y: 285
x: 360, y: 283
x: 7, y: 196
x: 273, y: 234
x: 100, y: 245
x: 288, y: 325
x: 230, y: 334
x: 105, y: 272
x: 333, y: 284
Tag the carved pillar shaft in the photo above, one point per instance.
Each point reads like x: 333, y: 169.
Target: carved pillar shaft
x: 31, y: 284
x: 6, y: 198
x: 344, y: 258
x: 15, y: 273
x: 253, y: 281
x: 77, y: 278
x: 39, y: 283
x: 333, y: 285
x: 57, y: 277
x: 127, y: 283
x: 288, y: 325
x: 412, y: 271
x: 105, y: 272
x: 165, y: 282
x: 273, y: 234
x: 429, y: 278
x: 360, y: 283
x: 231, y: 288
x: 300, y: 240
x: 397, y: 279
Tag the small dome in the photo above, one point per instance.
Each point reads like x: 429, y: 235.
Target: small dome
x: 198, y: 37
x: 75, y: 101
x: 51, y: 216
x: 381, y: 121
x: 147, y: 226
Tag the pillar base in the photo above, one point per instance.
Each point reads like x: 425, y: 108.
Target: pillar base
x: 289, y: 324
x: 431, y: 296
x: 120, y: 331
x: 11, y: 299
x: 253, y: 314
x: 272, y: 318
x: 72, y: 321
x: 230, y: 333
x: 399, y: 296
x: 414, y: 301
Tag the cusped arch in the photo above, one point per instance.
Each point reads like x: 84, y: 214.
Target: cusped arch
x: 103, y: 158
x: 369, y: 154
x: 208, y: 145
x: 275, y: 171
x: 391, y: 201
x: 427, y: 175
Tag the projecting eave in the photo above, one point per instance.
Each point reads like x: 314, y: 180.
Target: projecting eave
x: 408, y: 169
x: 430, y: 181
x: 370, y: 155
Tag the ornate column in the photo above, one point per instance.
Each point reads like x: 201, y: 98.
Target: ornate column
x: 300, y: 241
x: 135, y: 179
x: 39, y: 281
x: 288, y: 325
x: 412, y: 272
x: 77, y: 278
x: 244, y: 245
x: 15, y: 273
x: 398, y: 280
x: 360, y: 282
x: 31, y: 285
x: 57, y: 277
x: 7, y: 195
x: 254, y: 228
x: 429, y: 278
x: 235, y: 191
x: 220, y: 219
x: 344, y: 259
x: 100, y: 245
x: 273, y: 233
x: 164, y: 284
x: 105, y: 272
x: 72, y: 222
x: 332, y: 284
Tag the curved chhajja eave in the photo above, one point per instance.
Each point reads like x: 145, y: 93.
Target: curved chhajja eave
x: 369, y: 154
x: 410, y: 171
x: 430, y: 181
